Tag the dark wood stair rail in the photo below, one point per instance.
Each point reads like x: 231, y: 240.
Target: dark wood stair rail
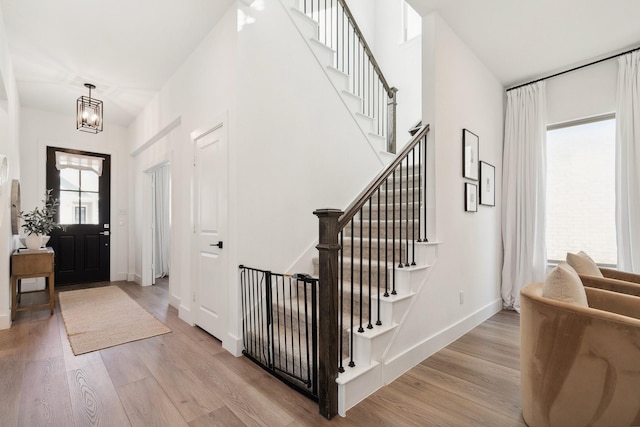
x: 331, y: 223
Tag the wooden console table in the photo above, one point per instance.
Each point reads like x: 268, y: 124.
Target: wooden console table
x: 27, y: 264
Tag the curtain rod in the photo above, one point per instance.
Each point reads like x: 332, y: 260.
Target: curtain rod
x: 574, y: 69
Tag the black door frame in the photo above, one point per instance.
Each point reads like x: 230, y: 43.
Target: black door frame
x: 83, y: 240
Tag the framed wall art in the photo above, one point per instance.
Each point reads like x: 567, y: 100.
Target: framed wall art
x: 470, y: 197
x: 487, y: 184
x: 470, y: 147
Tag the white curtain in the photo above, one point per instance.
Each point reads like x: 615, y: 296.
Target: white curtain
x: 162, y: 221
x: 66, y: 160
x: 523, y: 191
x: 628, y: 162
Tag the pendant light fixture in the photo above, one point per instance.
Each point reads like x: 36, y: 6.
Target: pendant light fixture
x: 89, y: 112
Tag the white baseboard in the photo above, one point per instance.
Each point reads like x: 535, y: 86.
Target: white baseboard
x: 174, y: 301
x: 400, y: 364
x: 120, y: 277
x: 233, y: 345
x: 185, y: 314
x: 132, y: 277
x: 5, y: 321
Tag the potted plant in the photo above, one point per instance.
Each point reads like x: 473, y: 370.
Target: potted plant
x: 40, y: 221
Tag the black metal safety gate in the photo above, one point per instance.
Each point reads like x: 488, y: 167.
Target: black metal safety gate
x: 279, y: 324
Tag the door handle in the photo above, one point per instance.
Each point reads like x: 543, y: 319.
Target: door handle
x: 219, y: 244
x: 104, y: 233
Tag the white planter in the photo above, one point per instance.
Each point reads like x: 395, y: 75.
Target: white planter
x: 33, y: 241
x: 43, y: 241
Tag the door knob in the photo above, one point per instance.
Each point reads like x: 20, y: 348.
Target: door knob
x: 219, y: 244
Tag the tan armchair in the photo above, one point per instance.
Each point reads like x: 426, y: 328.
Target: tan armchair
x: 614, y: 280
x: 580, y: 366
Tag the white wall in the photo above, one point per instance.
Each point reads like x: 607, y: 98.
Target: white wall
x: 9, y: 136
x: 203, y: 88
x: 298, y: 149
x: 40, y: 129
x: 460, y: 92
x: 587, y: 92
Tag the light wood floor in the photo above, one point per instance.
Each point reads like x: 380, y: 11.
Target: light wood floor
x: 186, y: 378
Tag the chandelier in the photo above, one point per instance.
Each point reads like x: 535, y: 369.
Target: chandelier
x: 89, y: 112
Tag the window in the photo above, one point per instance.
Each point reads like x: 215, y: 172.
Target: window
x: 581, y: 190
x: 79, y: 197
x: 411, y: 22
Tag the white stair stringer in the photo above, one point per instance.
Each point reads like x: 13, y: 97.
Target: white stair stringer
x: 307, y: 28
x: 370, y: 347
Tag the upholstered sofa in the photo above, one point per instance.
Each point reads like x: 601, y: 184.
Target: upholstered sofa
x: 580, y: 366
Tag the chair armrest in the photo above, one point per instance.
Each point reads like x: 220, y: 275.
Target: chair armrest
x: 614, y: 285
x: 613, y: 302
x: 620, y: 275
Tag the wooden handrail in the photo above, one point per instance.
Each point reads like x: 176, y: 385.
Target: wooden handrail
x: 366, y: 194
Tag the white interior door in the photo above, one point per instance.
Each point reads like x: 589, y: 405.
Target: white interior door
x: 210, y: 194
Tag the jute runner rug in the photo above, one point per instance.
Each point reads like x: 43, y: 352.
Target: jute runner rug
x: 98, y: 318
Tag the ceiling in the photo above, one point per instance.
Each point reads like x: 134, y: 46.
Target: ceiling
x: 519, y: 40
x: 129, y: 48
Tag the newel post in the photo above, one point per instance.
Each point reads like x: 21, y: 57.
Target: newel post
x: 328, y: 248
x: 392, y: 106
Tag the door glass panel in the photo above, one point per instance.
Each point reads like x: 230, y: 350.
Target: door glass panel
x: 68, y: 205
x: 69, y: 179
x: 89, y: 181
x: 89, y: 212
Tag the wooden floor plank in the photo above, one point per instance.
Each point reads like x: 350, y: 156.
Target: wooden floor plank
x: 147, y: 404
x: 222, y: 417
x: 94, y: 399
x: 124, y: 363
x: 45, y: 399
x: 11, y: 378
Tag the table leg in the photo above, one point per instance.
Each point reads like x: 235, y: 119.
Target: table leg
x: 51, y: 294
x: 14, y: 298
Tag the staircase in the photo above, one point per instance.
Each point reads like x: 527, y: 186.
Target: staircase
x: 374, y: 257
x: 330, y: 31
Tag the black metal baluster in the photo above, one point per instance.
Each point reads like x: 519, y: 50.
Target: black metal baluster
x: 406, y: 264
x: 293, y: 352
x: 393, y: 237
x: 400, y: 265
x: 413, y: 209
x: 424, y: 141
x: 379, y: 322
x: 351, y: 362
x: 419, y: 192
x: 386, y: 238
x: 369, y: 325
x: 341, y: 312
x: 361, y: 329
x: 269, y: 313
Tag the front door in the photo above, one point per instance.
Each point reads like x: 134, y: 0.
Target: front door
x: 81, y: 182
x: 210, y: 208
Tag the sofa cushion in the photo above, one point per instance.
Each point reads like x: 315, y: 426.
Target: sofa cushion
x: 564, y: 284
x: 583, y: 264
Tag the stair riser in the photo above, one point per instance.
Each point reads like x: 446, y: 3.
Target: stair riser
x: 403, y: 211
x: 368, y: 252
x: 411, y: 232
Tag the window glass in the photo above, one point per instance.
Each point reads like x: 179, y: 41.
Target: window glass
x: 69, y: 179
x: 89, y: 181
x: 89, y: 205
x: 411, y: 22
x: 581, y: 191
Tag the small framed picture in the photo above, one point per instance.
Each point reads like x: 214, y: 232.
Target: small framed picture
x: 470, y: 142
x: 470, y: 197
x: 487, y: 184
